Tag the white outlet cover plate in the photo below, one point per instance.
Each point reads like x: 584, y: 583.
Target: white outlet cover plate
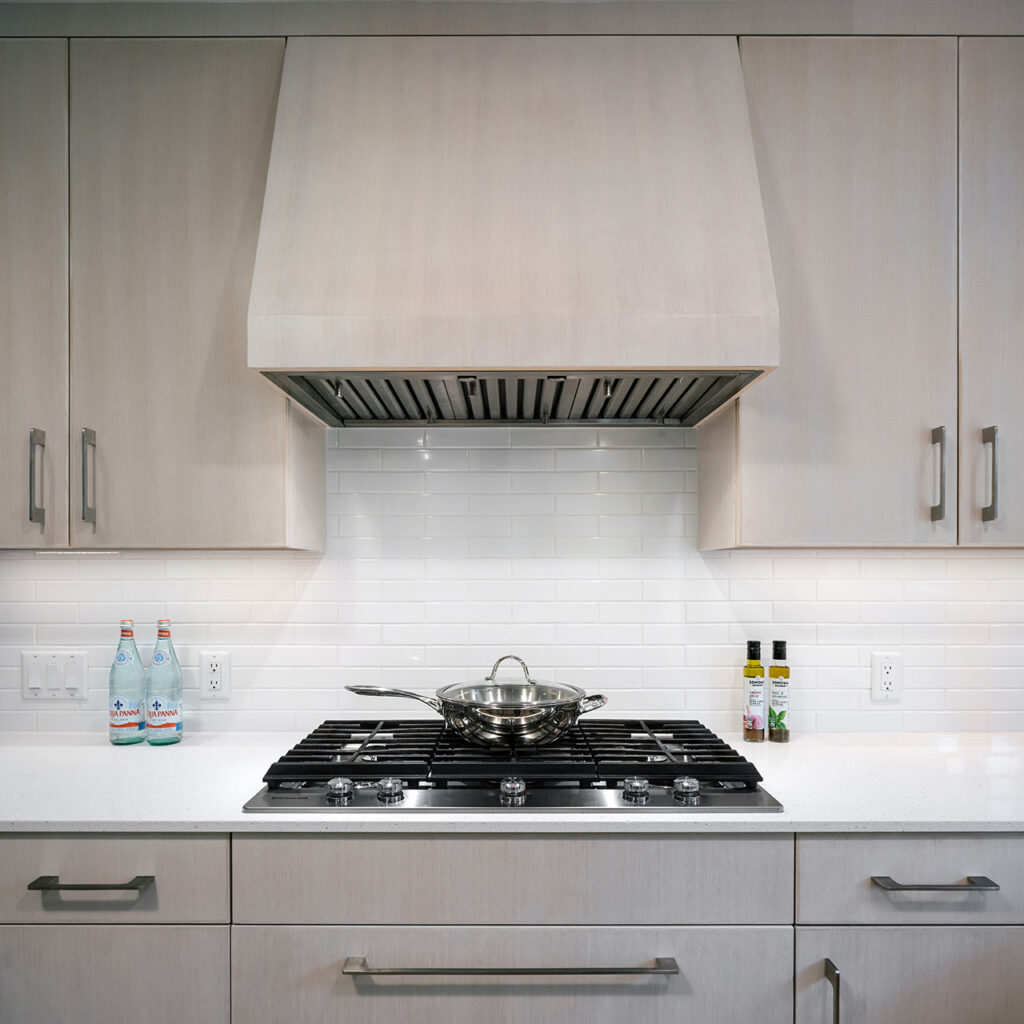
x: 880, y: 660
x: 54, y: 675
x: 206, y: 659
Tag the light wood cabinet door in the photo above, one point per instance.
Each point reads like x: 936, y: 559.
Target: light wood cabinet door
x: 33, y: 290
x: 726, y: 975
x: 170, y: 140
x: 857, y: 157
x: 557, y: 880
x: 991, y: 290
x: 113, y: 974
x: 911, y: 975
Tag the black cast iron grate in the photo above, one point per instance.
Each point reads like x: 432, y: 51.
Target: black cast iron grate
x: 601, y: 751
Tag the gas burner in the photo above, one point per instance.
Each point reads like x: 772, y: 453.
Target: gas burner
x: 609, y: 765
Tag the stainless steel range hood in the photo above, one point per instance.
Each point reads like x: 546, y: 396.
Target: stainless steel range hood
x: 512, y: 229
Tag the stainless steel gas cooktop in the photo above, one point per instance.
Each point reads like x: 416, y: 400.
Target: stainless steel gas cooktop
x: 608, y: 765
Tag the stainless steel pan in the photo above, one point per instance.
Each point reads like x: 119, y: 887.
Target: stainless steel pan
x: 499, y: 714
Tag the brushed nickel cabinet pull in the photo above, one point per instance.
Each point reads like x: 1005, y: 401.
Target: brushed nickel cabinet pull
x: 832, y: 973
x: 974, y: 883
x: 939, y: 438
x: 991, y: 510
x: 52, y: 883
x: 356, y: 965
x: 88, y: 441
x: 36, y: 439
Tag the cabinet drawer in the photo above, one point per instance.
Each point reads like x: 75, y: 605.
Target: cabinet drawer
x: 190, y: 878
x: 513, y: 880
x: 834, y: 879
x: 106, y: 974
x: 726, y: 975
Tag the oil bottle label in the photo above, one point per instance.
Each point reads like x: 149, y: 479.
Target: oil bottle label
x: 163, y: 714
x: 778, y: 706
x: 125, y: 713
x: 753, y: 713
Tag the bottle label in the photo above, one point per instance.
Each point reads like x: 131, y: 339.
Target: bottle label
x: 753, y: 714
x: 160, y: 658
x: 123, y: 658
x: 778, y: 706
x: 163, y: 714
x: 125, y: 713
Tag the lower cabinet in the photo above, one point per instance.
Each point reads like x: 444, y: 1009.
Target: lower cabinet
x: 726, y: 975
x: 114, y: 974
x: 915, y: 975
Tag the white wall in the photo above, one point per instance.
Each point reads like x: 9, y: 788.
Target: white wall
x: 572, y: 547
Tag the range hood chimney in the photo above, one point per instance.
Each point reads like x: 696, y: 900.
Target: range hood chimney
x: 528, y: 229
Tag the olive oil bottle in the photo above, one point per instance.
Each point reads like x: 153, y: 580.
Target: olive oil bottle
x: 753, y: 679
x: 778, y: 694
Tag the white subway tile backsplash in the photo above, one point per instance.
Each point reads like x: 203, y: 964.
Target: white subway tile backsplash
x: 573, y: 547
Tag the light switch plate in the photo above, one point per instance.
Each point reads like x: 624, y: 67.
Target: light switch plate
x: 54, y: 675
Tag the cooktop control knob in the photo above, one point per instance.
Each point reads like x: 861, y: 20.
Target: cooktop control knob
x: 512, y: 792
x: 686, y: 790
x: 389, y: 791
x: 636, y: 790
x: 340, y: 791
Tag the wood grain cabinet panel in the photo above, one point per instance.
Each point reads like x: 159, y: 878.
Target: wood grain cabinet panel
x: 109, y: 974
x: 856, y: 144
x: 513, y: 879
x: 726, y: 975
x: 834, y: 878
x: 33, y: 289
x: 991, y: 292
x: 190, y: 872
x: 170, y: 140
x: 940, y: 975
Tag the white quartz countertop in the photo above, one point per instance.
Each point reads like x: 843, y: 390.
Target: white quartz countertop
x: 76, y: 782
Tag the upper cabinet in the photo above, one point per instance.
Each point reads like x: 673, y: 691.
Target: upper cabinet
x: 180, y: 444
x: 853, y: 440
x: 34, y: 293
x: 991, y: 291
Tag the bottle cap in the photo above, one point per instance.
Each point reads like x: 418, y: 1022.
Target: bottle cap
x: 127, y: 628
x: 778, y: 650
x: 753, y: 650
x: 163, y: 628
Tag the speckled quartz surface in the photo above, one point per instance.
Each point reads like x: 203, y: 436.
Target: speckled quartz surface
x: 68, y: 782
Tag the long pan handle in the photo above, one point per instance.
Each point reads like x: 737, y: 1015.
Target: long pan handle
x: 383, y: 691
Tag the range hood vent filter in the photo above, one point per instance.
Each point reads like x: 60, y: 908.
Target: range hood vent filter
x: 477, y: 399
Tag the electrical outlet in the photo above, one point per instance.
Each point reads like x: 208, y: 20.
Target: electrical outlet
x: 215, y: 675
x: 886, y: 676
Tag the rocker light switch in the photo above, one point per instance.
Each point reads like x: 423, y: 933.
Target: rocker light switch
x: 54, y: 675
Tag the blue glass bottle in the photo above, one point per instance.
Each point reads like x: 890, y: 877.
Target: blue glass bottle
x: 163, y: 690
x: 127, y: 721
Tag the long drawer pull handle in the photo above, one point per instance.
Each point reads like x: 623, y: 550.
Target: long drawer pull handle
x: 52, y: 883
x: 832, y: 973
x: 88, y: 441
x: 974, y: 883
x: 36, y: 439
x: 991, y: 510
x: 939, y: 438
x: 357, y: 965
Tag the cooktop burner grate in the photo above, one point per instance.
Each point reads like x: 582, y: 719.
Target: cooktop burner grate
x: 595, y: 752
